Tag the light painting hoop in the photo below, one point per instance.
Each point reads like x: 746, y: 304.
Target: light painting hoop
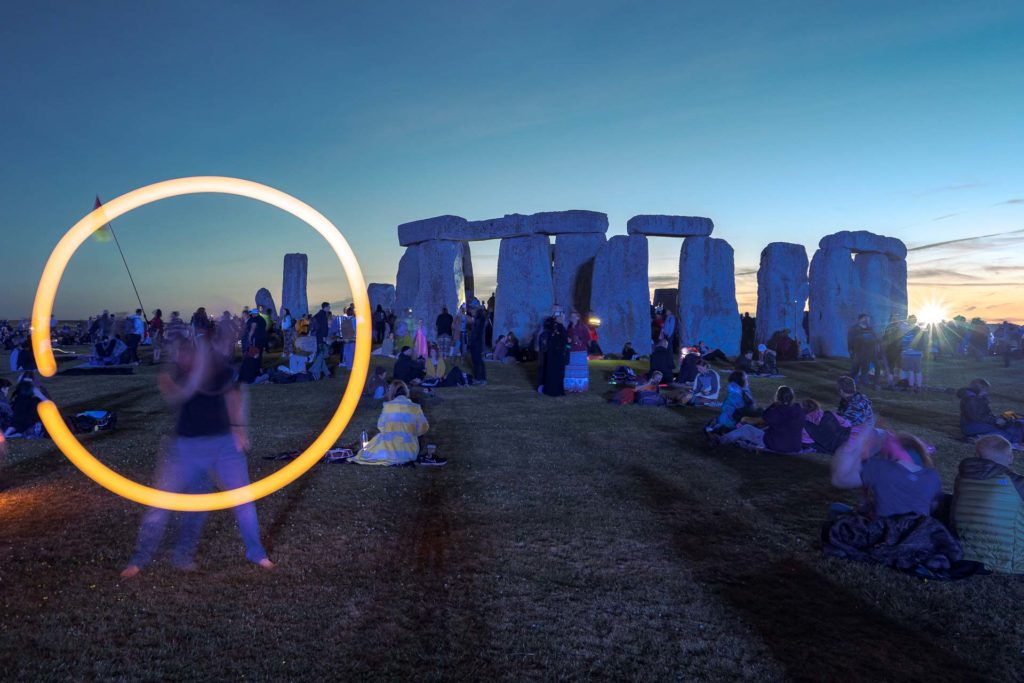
x: 43, y: 308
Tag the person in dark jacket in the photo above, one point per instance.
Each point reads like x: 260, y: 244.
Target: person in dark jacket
x: 662, y: 360
x: 407, y: 369
x: 477, y: 339
x: 553, y: 351
x: 976, y: 417
x: 862, y: 343
x: 444, y: 323
x: 785, y: 423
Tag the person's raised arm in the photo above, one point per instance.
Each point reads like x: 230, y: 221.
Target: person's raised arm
x: 848, y: 459
x: 177, y: 394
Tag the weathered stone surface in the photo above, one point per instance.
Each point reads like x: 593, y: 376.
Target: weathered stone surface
x: 382, y: 295
x: 525, y: 294
x: 863, y: 241
x: 897, y: 277
x: 467, y: 272
x: 265, y: 299
x: 440, y: 282
x: 439, y: 227
x: 835, y: 288
x: 707, y: 294
x: 510, y: 225
x: 875, y: 296
x: 669, y: 226
x: 567, y: 222
x: 782, y: 289
x: 620, y: 295
x: 293, y: 286
x: 667, y: 297
x: 574, y: 270
x: 407, y: 282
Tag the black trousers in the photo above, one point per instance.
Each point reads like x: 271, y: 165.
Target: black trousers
x: 479, y: 370
x: 132, y: 341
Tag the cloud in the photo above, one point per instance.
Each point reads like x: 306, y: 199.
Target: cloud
x: 951, y: 188
x: 917, y: 283
x: 966, y: 240
x: 1010, y: 201
x: 940, y: 272
x: 948, y: 215
x: 745, y: 273
x: 663, y: 280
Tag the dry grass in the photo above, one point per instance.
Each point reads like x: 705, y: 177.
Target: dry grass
x: 568, y: 538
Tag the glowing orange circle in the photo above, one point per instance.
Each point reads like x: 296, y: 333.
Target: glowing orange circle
x: 43, y: 307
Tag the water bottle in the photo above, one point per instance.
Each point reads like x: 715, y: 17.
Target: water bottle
x: 363, y: 439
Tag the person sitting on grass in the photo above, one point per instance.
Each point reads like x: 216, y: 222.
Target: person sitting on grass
x: 824, y: 431
x: 746, y: 364
x: 894, y: 471
x: 24, y: 421
x: 662, y: 360
x: 688, y: 366
x: 407, y: 369
x: 784, y: 425
x: 377, y: 384
x: 767, y: 361
x: 627, y: 352
x: 434, y: 367
x: 987, y: 495
x: 6, y: 411
x: 109, y: 352
x: 706, y: 385
x: 401, y: 424
x: 977, y: 419
x: 739, y: 403
x: 854, y: 406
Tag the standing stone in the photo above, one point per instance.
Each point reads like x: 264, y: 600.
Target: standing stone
x: 835, y: 287
x: 467, y: 272
x: 620, y: 297
x: 440, y: 282
x: 670, y: 226
x: 382, y: 295
x: 525, y: 294
x: 897, y: 277
x: 875, y: 297
x: 407, y: 282
x: 782, y: 289
x: 574, y: 270
x: 293, y: 287
x: 265, y: 299
x: 707, y: 295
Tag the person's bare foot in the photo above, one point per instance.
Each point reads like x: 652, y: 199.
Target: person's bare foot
x: 265, y: 563
x: 131, y: 571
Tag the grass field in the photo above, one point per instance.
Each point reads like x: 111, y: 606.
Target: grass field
x: 567, y: 538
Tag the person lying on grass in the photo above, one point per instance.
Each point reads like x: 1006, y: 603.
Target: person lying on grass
x: 784, y: 425
x: 401, y: 424
x: 987, y: 493
x: 407, y: 369
x: 895, y: 473
x: 649, y: 393
x: 976, y: 417
x: 824, y: 431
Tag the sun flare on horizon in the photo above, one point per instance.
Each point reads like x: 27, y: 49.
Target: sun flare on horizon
x: 932, y: 313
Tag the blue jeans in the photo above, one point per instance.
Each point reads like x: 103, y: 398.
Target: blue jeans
x: 193, y: 465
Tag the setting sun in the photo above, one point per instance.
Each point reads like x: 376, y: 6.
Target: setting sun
x: 932, y: 313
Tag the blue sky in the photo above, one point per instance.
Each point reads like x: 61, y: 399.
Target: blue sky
x: 781, y: 121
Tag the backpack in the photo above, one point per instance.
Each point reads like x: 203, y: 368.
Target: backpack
x: 94, y: 421
x: 623, y: 375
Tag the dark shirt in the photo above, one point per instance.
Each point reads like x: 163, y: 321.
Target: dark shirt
x: 663, y: 362
x: 206, y: 413
x: 257, y: 331
x: 895, y: 490
x: 24, y: 415
x: 406, y: 369
x: 688, y: 368
x: 785, y: 427
x: 476, y: 339
x: 861, y: 341
x: 444, y: 324
x: 320, y: 325
x: 974, y: 408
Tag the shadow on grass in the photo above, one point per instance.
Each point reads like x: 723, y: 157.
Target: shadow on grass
x: 815, y: 628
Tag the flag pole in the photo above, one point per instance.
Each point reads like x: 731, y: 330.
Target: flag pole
x: 110, y: 226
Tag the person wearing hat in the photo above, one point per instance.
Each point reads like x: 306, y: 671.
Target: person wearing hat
x: 767, y: 358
